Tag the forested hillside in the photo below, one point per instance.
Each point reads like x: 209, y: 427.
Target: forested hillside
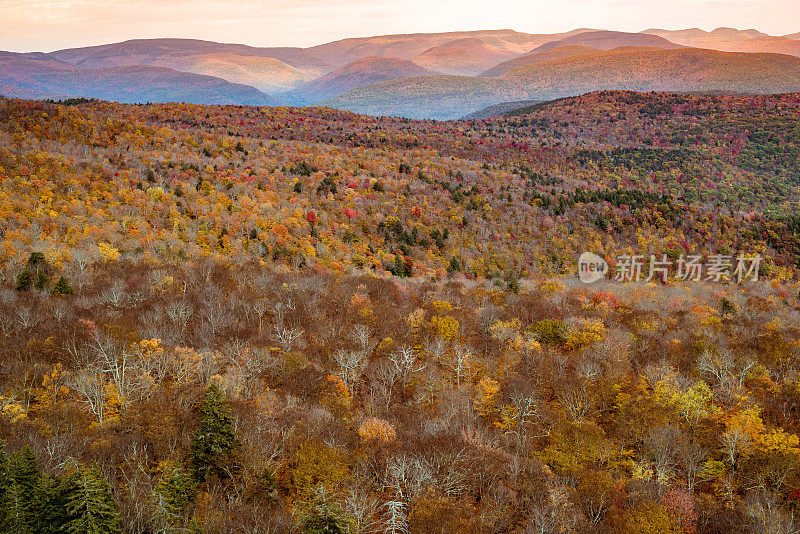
x: 249, y: 319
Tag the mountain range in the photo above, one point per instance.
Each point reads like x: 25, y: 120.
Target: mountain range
x: 424, y: 75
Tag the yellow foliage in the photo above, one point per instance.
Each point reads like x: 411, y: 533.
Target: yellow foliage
x: 779, y: 441
x: 360, y: 304
x: 486, y: 396
x: 12, y: 409
x: 163, y: 284
x: 588, y: 331
x: 441, y: 306
x: 552, y: 286
x: 444, y: 326
x: 315, y: 464
x: 505, y: 330
x: 508, y: 418
x: 107, y: 252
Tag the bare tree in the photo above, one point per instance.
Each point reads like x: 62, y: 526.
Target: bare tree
x: 179, y: 313
x: 459, y: 362
x: 287, y: 336
x: 406, y: 476
x: 362, y: 335
x: 362, y: 507
x: 396, y: 521
x: 260, y: 308
x: 382, y: 385
x: 690, y: 461
x: 351, y: 366
x: 406, y: 363
x: 767, y: 515
x: 577, y: 403
x: 526, y: 412
x: 661, y: 445
x: 90, y: 384
x: 734, y: 442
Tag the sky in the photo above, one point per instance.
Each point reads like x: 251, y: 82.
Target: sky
x: 39, y: 25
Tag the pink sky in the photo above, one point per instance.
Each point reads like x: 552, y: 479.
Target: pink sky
x: 27, y: 25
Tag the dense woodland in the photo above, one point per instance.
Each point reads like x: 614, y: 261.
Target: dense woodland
x: 276, y: 320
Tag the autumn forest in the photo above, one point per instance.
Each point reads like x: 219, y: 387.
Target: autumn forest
x: 240, y: 319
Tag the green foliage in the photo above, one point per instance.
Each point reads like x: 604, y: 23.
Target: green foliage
x: 323, y: 516
x: 89, y: 502
x: 322, y: 524
x: 728, y: 307
x: 24, y: 280
x: 41, y: 280
x: 36, y: 258
x: 62, y: 287
x: 215, y: 440
x: 550, y: 331
x: 454, y: 266
x: 22, y: 486
x: 301, y: 168
x: 173, y: 497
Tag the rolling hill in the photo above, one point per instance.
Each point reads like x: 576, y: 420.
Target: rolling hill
x: 607, y: 40
x: 465, y: 56
x: 536, y: 57
x: 431, y: 97
x: 775, y: 45
x: 365, y: 71
x: 355, y: 71
x: 501, y: 109
x: 148, y: 51
x: 267, y: 74
x: 406, y: 46
x: 651, y: 69
x: 732, y: 40
x: 267, y: 69
x: 11, y: 91
x: 628, y: 68
x: 132, y: 84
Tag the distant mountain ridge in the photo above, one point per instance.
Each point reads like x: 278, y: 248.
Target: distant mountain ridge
x: 475, y: 66
x: 130, y: 84
x: 365, y: 71
x: 624, y: 68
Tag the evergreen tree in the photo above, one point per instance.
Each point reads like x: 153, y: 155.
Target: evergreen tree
x: 89, y: 502
x: 41, y: 280
x: 24, y: 280
x: 324, y: 516
x: 172, y: 498
x: 5, y: 480
x: 62, y: 287
x: 51, y: 506
x: 215, y: 439
x: 21, y: 493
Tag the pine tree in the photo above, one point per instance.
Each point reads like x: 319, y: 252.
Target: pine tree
x: 22, y: 492
x: 41, y: 280
x: 173, y: 497
x: 89, y: 502
x: 215, y: 440
x: 51, y: 506
x: 5, y: 480
x: 24, y: 280
x: 324, y: 516
x: 62, y: 287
